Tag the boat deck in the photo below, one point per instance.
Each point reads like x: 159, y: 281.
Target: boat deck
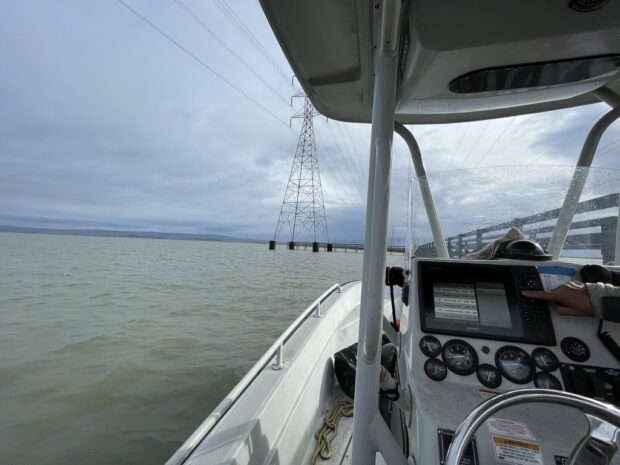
x: 342, y: 450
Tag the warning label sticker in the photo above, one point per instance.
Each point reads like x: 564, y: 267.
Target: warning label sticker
x: 517, y: 452
x: 509, y: 428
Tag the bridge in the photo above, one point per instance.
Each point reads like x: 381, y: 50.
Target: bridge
x: 591, y: 234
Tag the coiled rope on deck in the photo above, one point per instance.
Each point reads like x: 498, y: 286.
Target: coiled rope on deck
x: 327, y: 432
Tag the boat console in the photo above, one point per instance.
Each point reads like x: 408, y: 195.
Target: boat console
x: 471, y: 335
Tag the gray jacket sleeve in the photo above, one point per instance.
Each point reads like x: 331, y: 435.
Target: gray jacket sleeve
x: 598, y: 291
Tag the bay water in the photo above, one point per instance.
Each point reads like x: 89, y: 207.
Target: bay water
x: 113, y: 350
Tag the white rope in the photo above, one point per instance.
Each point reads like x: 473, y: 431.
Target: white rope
x: 327, y: 432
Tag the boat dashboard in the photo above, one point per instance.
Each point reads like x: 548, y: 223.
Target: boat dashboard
x: 469, y: 334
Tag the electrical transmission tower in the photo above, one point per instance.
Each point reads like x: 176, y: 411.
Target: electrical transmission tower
x: 303, y: 212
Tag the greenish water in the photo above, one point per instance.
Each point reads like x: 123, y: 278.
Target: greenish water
x: 113, y: 350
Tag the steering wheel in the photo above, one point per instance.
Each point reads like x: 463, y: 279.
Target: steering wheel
x: 597, y: 447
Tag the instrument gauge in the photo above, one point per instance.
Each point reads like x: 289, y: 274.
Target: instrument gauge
x: 575, y: 349
x: 459, y: 357
x: 430, y: 345
x: 435, y: 369
x: 545, y: 359
x: 489, y: 376
x: 546, y: 380
x: 514, y: 364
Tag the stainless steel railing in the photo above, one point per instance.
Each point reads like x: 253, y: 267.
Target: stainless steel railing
x: 275, y: 353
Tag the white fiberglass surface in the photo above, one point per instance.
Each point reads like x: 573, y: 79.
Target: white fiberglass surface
x: 476, y: 206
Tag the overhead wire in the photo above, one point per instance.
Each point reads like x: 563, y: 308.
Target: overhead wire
x: 358, y: 181
x: 345, y: 188
x: 458, y: 146
x: 475, y: 144
x: 204, y: 26
x: 610, y: 149
x: 247, y: 33
x: 496, y: 141
x: 203, y: 63
x: 345, y: 133
x: 614, y: 142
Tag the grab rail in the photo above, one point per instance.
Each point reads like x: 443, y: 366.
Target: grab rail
x: 275, y: 351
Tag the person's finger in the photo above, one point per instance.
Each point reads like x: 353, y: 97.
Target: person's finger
x: 544, y: 295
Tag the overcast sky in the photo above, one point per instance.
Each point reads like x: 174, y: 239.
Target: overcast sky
x: 105, y: 123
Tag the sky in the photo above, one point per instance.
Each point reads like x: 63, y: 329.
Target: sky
x: 106, y: 123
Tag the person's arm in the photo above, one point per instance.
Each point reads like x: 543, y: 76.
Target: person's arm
x: 577, y: 299
x: 598, y: 291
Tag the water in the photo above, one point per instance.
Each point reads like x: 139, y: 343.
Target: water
x: 113, y: 350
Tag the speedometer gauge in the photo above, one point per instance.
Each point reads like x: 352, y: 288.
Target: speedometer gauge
x: 459, y: 357
x: 515, y: 364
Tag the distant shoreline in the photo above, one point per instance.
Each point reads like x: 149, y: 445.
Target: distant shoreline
x: 129, y: 234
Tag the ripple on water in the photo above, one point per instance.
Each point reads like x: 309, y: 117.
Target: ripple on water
x: 137, y: 340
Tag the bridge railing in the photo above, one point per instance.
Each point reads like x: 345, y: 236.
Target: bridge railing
x: 591, y: 234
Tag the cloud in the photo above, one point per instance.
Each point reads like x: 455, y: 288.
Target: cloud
x: 105, y: 122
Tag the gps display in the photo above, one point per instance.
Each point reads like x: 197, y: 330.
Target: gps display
x: 481, y: 300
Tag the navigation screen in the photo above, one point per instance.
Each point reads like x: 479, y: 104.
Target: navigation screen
x: 493, y: 305
x: 455, y: 301
x: 481, y: 302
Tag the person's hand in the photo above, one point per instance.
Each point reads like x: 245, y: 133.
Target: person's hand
x: 569, y: 299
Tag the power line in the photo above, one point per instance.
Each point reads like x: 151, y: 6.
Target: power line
x: 496, y: 141
x: 345, y: 186
x: 614, y: 142
x: 345, y: 195
x: 609, y: 148
x: 205, y: 65
x: 344, y: 132
x: 247, y: 33
x: 350, y: 165
x: 202, y: 24
x: 458, y: 146
x: 475, y: 143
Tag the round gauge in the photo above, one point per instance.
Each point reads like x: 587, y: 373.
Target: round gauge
x: 575, y: 349
x: 489, y: 376
x: 515, y: 364
x: 459, y: 357
x: 430, y: 345
x: 546, y: 380
x: 545, y: 359
x: 435, y: 369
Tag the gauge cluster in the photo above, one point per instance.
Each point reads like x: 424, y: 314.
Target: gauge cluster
x: 511, y: 363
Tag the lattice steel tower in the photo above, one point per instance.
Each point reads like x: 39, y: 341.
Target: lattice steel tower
x: 303, y: 210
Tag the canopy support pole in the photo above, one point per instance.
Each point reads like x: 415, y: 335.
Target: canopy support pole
x: 425, y: 189
x: 365, y: 441
x: 569, y: 207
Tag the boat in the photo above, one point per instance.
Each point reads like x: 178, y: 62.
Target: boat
x: 482, y: 374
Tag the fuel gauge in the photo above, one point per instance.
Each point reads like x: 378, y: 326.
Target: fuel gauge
x: 435, y: 369
x: 545, y: 359
x: 430, y: 345
x: 546, y: 380
x: 488, y: 375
